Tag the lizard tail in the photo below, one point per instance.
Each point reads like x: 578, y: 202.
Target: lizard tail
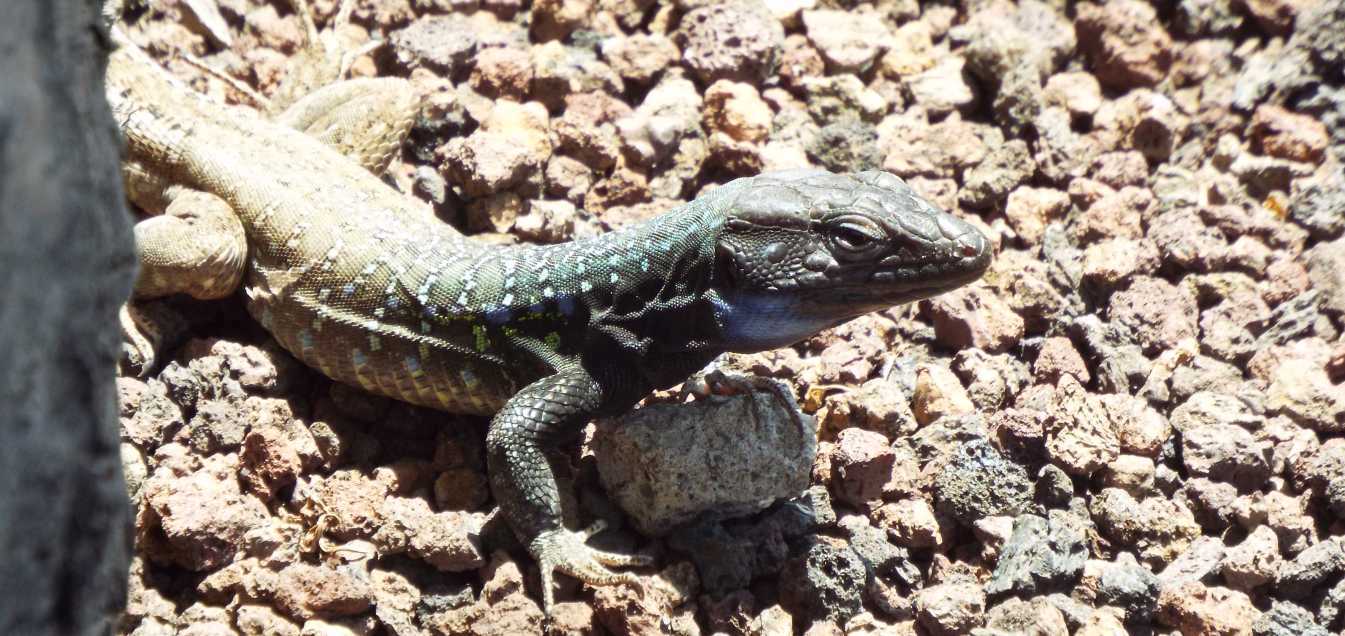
x: 159, y: 116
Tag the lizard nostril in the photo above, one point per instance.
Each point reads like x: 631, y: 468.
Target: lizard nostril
x: 972, y: 245
x: 951, y: 227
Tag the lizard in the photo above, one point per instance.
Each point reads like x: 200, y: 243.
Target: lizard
x: 360, y: 282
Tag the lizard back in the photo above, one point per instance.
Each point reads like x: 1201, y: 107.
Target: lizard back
x: 339, y: 263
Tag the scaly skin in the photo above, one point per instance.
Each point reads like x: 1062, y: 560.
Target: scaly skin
x: 194, y: 244
x: 360, y: 282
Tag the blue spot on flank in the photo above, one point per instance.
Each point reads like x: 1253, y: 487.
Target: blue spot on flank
x: 348, y: 289
x: 537, y: 308
x: 393, y: 303
x: 306, y: 339
x: 469, y: 378
x: 411, y: 363
x: 498, y: 316
x: 565, y: 304
x: 428, y: 311
x: 358, y: 358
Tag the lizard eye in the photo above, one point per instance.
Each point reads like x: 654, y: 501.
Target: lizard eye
x: 854, y: 237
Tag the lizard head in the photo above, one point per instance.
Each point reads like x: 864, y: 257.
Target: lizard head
x: 801, y: 251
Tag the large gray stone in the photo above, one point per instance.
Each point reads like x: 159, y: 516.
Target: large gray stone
x: 1286, y: 619
x: 665, y: 464
x: 980, y: 482
x: 1042, y: 555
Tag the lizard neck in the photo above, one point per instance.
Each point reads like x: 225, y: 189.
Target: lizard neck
x: 638, y: 284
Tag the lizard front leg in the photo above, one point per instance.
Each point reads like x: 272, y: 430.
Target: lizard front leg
x: 522, y: 446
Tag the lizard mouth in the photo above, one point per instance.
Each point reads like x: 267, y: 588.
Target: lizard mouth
x: 949, y: 265
x: 901, y: 282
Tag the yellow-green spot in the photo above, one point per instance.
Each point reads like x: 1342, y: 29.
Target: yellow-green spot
x: 552, y: 340
x: 482, y: 339
x: 538, y: 315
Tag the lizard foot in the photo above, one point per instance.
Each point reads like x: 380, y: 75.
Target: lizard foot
x: 566, y: 551
x: 147, y: 329
x: 719, y: 382
x: 140, y: 339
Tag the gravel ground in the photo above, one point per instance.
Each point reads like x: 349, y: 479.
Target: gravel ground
x: 1133, y: 424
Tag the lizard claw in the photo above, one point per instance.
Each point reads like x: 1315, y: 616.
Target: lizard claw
x: 719, y: 382
x: 140, y: 338
x: 148, y: 329
x: 566, y: 551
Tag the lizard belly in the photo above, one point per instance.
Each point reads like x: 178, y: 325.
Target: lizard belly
x: 387, y: 361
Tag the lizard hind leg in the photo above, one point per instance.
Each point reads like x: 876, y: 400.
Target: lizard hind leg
x: 321, y: 61
x: 365, y: 119
x: 196, y: 247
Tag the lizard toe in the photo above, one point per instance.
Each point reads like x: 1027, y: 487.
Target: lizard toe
x: 139, y: 339
x: 565, y: 551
